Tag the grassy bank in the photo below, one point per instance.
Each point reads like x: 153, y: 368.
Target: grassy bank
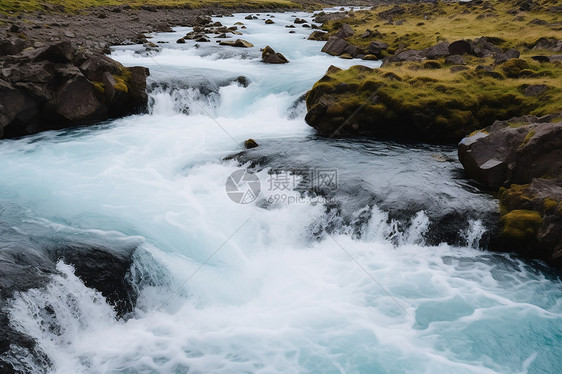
x: 422, y: 25
x: 72, y: 6
x: 439, y: 100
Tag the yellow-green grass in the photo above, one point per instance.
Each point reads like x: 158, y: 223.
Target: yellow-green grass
x: 444, y: 106
x: 452, y: 21
x: 72, y: 6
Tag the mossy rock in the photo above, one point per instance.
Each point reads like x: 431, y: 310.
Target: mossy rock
x: 513, y: 67
x: 521, y: 224
x: 431, y: 64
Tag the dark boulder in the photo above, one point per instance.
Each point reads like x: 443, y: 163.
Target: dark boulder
x: 376, y: 47
x: 541, y: 58
x: 345, y: 32
x: 455, y: 60
x: 502, y: 154
x: 461, y: 47
x: 11, y: 47
x: 535, y: 89
x: 239, y: 43
x: 269, y: 56
x: 28, y: 260
x: 337, y: 47
x: 56, y: 87
x: 437, y: 51
x: 319, y: 36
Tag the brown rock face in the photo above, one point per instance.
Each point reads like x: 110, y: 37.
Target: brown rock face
x: 501, y: 155
x: 524, y: 155
x: 56, y: 86
x: 337, y: 47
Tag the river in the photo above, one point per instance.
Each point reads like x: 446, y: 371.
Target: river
x: 334, y: 255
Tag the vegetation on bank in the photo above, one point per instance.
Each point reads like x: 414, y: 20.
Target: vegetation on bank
x: 440, y: 99
x: 431, y: 104
x: 71, y: 6
x: 423, y: 25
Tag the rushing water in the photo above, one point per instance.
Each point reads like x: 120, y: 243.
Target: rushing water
x: 345, y: 279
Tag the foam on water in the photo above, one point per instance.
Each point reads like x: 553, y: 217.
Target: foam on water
x: 248, y: 289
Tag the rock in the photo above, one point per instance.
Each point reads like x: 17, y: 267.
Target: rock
x: 243, y: 81
x: 319, y: 36
x: 11, y: 47
x: 269, y: 56
x: 29, y: 261
x: 437, y: 51
x: 531, y: 221
x: 19, y: 112
x: 300, y: 21
x: 250, y: 143
x: 56, y: 87
x: 394, y: 11
x: 202, y: 21
x: 61, y: 52
x: 237, y: 43
x: 515, y: 67
x: 181, y: 41
x: 345, y: 32
x: 336, y: 47
x: 512, y: 53
x: 376, y: 47
x: 555, y: 58
x: 541, y: 58
x: 460, y: 47
x: 501, y: 155
x: 538, y: 22
x: 455, y: 60
x: 269, y: 22
x: 535, y: 89
x: 409, y: 55
x: 16, y: 29
x: 552, y: 44
x: 456, y: 69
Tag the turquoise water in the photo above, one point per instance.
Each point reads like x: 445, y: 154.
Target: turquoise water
x: 266, y: 287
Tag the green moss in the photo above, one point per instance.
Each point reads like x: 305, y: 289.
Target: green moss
x: 529, y: 136
x: 521, y: 224
x: 513, y: 68
x: 99, y: 87
x: 550, y: 204
x: 431, y: 64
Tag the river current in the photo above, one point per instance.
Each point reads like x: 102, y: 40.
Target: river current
x: 337, y: 255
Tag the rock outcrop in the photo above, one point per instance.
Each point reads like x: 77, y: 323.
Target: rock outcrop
x: 513, y: 151
x: 28, y: 258
x: 522, y: 158
x: 56, y: 86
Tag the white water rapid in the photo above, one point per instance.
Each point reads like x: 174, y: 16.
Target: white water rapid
x: 293, y: 282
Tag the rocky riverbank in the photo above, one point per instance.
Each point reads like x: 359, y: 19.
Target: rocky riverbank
x: 439, y: 83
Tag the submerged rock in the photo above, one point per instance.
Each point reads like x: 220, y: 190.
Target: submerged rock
x: 28, y: 261
x: 240, y: 43
x: 250, y: 143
